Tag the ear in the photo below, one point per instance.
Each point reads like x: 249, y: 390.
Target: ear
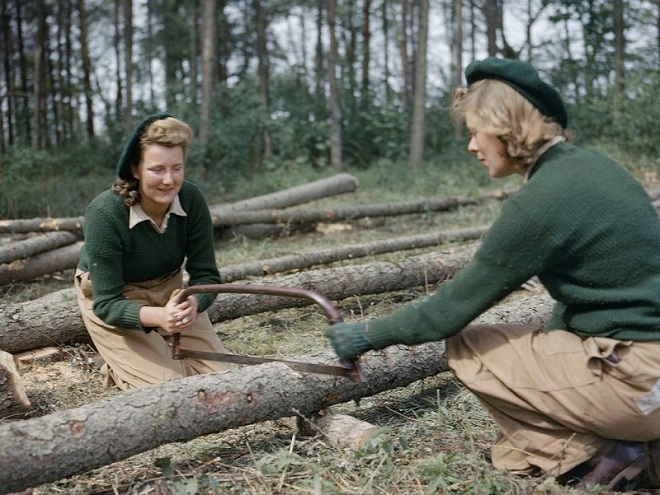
x: 135, y: 172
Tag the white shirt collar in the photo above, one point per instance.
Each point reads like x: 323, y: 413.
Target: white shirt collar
x: 137, y: 215
x: 555, y: 140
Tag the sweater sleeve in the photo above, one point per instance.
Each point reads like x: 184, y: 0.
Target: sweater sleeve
x: 200, y: 248
x: 514, y: 249
x: 103, y: 245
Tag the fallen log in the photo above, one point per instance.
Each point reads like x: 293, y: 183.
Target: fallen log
x: 310, y: 216
x: 13, y: 398
x: 55, y: 260
x: 73, y: 224
x: 55, y: 318
x: 35, y: 245
x: 337, y: 184
x: 319, y: 189
x: 67, y: 258
x: 73, y: 441
x: 281, y: 264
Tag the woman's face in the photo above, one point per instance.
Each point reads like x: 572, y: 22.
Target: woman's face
x: 490, y: 151
x: 160, y: 173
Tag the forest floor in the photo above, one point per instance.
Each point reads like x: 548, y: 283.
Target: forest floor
x: 434, y: 435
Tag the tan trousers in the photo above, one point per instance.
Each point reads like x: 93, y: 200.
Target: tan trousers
x: 134, y: 358
x: 559, y: 400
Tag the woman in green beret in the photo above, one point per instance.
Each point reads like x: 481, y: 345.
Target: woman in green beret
x: 138, y: 235
x: 580, y: 398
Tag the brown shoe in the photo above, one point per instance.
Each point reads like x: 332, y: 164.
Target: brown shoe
x: 626, y: 460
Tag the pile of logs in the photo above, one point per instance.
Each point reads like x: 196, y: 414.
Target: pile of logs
x: 39, y: 246
x: 70, y: 442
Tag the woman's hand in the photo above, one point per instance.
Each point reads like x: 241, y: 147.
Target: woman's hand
x: 179, y: 315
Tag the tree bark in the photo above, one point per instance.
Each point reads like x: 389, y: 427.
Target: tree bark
x: 37, y: 244
x: 87, y: 70
x: 325, y: 215
x: 73, y: 441
x: 336, y: 145
x: 13, y: 398
x: 65, y: 258
x: 47, y: 262
x: 282, y: 264
x: 209, y: 40
x: 263, y: 72
x: 55, y: 318
x: 457, y: 55
x: 18, y: 226
x: 304, y: 193
x: 403, y: 43
x: 418, y: 127
x: 128, y: 64
x: 76, y: 440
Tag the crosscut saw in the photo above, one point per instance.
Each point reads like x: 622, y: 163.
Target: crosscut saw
x: 346, y: 369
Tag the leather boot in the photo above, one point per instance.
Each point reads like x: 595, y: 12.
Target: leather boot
x: 625, y: 460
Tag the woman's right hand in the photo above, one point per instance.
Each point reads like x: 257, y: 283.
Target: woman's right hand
x: 179, y: 315
x: 174, y: 317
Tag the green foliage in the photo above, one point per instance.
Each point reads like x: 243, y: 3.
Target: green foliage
x: 630, y: 120
x: 53, y: 182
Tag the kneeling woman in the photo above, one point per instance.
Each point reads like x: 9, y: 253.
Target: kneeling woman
x: 138, y: 235
x: 581, y: 397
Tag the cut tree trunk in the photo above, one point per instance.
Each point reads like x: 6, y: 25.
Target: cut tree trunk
x: 73, y: 224
x: 55, y: 260
x: 73, y: 441
x: 35, y: 245
x: 13, y: 398
x: 281, y: 264
x: 343, y: 430
x: 337, y: 184
x: 55, y: 318
x: 310, y: 216
x: 297, y: 195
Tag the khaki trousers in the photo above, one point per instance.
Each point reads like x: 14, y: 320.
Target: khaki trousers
x: 134, y: 358
x: 558, y: 399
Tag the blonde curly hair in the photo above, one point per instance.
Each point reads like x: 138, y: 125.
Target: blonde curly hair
x: 498, y: 109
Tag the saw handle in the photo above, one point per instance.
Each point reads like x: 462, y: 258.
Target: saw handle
x: 331, y: 312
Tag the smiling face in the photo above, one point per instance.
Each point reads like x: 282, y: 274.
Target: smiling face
x: 160, y: 174
x: 490, y: 151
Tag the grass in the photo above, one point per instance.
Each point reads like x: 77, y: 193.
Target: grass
x: 434, y: 436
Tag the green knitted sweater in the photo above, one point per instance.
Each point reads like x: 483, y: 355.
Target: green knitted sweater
x: 585, y: 227
x: 115, y: 255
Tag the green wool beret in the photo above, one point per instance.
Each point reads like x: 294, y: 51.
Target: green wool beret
x: 524, y: 78
x: 130, y: 155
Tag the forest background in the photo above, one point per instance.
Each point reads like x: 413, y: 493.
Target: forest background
x: 280, y: 92
x: 291, y: 89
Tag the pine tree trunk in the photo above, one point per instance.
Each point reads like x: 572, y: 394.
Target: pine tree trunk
x: 74, y: 441
x: 418, y: 128
x: 37, y: 244
x: 55, y: 260
x: 55, y: 318
x: 336, y: 158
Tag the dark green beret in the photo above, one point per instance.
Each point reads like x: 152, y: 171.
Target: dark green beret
x: 130, y: 155
x: 524, y: 78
